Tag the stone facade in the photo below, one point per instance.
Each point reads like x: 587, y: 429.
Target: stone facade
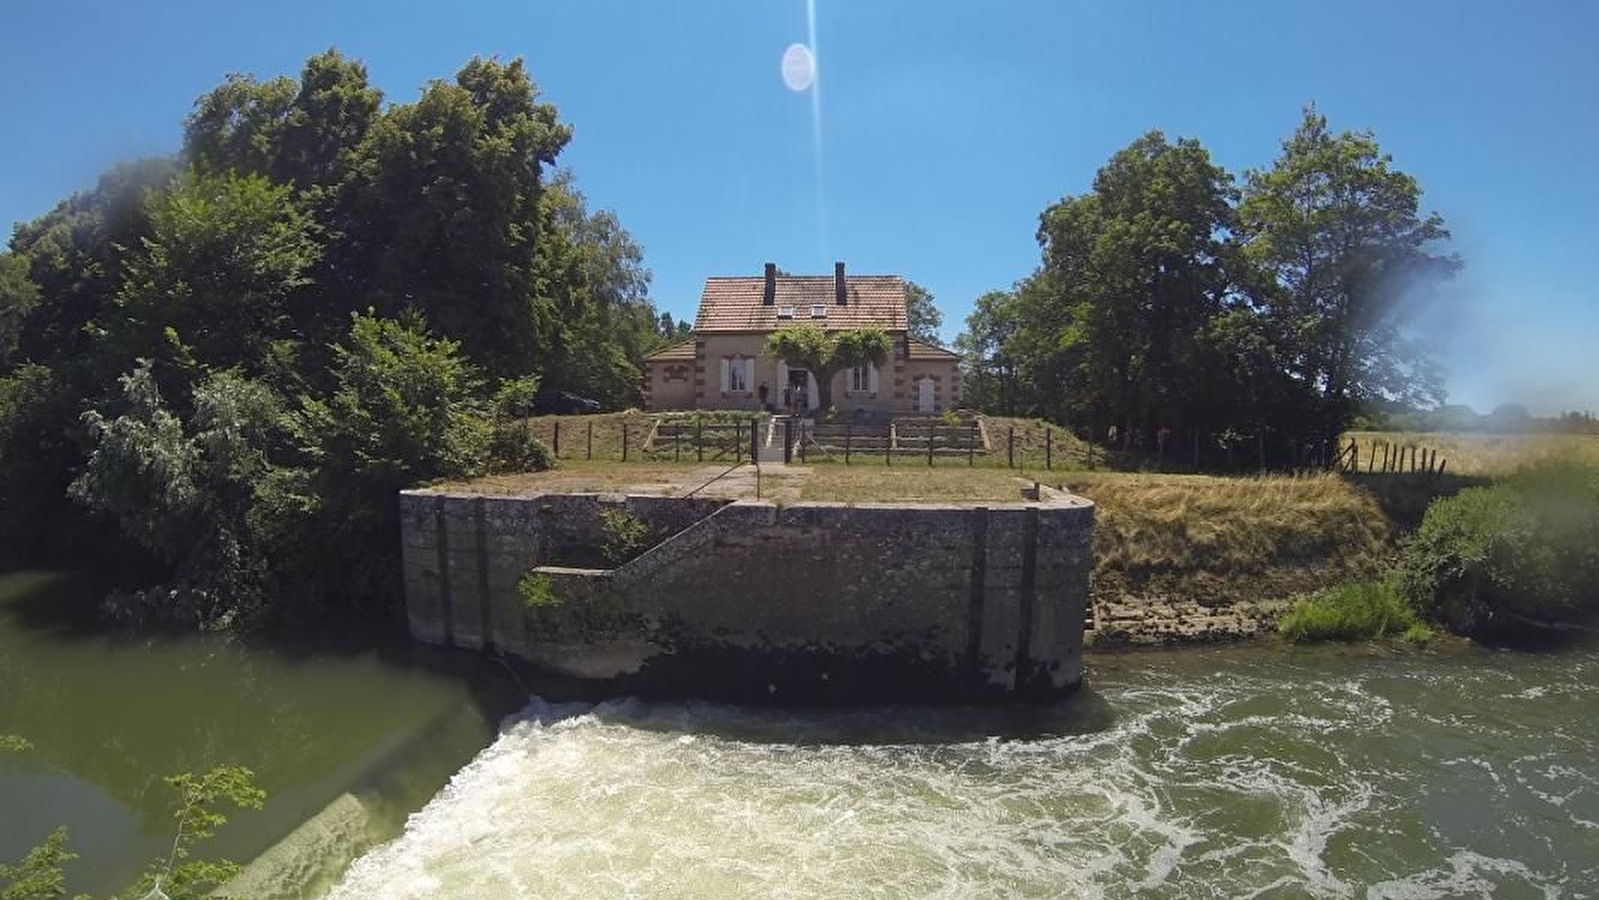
x: 748, y: 600
x: 738, y: 314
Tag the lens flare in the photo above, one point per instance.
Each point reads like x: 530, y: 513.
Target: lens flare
x: 799, y: 67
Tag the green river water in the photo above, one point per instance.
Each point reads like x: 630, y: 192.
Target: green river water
x: 1262, y: 771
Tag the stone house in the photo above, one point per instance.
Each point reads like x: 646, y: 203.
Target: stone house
x: 722, y: 365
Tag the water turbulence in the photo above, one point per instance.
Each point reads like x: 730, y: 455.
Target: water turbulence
x: 1227, y: 774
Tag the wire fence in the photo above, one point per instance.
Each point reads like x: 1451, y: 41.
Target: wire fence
x: 940, y: 441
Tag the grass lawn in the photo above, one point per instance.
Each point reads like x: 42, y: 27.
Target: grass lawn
x: 914, y: 482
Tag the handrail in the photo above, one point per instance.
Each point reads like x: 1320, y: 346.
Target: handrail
x: 723, y: 474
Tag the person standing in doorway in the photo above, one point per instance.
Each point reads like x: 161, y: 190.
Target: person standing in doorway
x: 762, y: 391
x: 788, y: 398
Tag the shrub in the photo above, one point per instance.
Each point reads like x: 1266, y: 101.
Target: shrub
x: 625, y: 535
x: 1357, y: 611
x: 537, y: 591
x: 1498, y: 558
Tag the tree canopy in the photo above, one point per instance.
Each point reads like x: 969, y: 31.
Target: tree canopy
x: 922, y: 318
x: 221, y: 365
x: 1168, y: 301
x: 826, y: 353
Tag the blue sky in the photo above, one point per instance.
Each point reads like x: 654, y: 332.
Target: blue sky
x: 945, y: 128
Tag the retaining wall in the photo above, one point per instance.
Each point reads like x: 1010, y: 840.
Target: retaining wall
x: 748, y: 600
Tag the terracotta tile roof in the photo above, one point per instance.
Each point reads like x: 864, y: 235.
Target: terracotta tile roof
x: 733, y: 303
x: 679, y: 352
x: 924, y: 350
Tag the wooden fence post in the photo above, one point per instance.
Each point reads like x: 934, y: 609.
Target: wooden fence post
x: 848, y: 428
x: 677, y: 444
x: 931, y: 429
x: 556, y: 441
x: 971, y: 446
x: 699, y: 439
x: 1010, y: 448
x: 624, y: 442
x: 1049, y: 447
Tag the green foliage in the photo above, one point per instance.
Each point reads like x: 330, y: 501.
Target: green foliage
x: 989, y: 377
x: 257, y: 455
x: 922, y: 318
x: 41, y: 875
x: 10, y: 743
x: 1526, y: 551
x: 1169, y: 304
x: 1352, y: 612
x: 1418, y: 633
x: 185, y: 494
x: 536, y: 591
x: 512, y: 447
x: 625, y: 535
x: 402, y: 410
x: 215, y: 277
x: 197, y: 817
x: 1131, y: 274
x: 18, y: 298
x: 38, y: 420
x: 826, y: 353
x: 1336, y: 232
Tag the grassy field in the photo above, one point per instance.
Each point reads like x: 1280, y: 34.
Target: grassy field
x: 1470, y: 453
x: 1215, y: 539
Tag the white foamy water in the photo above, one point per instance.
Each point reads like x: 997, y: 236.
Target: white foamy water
x: 1211, y: 774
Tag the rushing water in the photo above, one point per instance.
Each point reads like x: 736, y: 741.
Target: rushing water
x: 379, y: 727
x: 1247, y: 772
x: 1240, y: 772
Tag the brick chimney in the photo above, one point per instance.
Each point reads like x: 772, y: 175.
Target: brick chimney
x: 840, y: 293
x: 770, y: 295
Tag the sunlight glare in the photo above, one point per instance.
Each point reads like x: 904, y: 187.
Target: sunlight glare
x: 799, y: 67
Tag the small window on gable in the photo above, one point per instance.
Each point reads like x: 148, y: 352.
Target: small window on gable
x: 785, y: 312
x: 819, y: 311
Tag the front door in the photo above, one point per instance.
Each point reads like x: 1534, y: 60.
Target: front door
x: 802, y: 387
x: 924, y: 395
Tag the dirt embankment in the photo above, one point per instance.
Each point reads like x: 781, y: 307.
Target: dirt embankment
x: 1183, y: 559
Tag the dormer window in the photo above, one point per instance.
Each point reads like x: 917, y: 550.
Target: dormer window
x: 819, y: 311
x: 785, y: 312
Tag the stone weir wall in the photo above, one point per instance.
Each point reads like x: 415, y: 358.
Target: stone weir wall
x: 749, y: 600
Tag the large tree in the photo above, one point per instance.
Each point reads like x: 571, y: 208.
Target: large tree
x: 449, y: 199
x: 1338, y: 232
x: 826, y: 353
x: 988, y: 379
x: 1132, y: 272
x: 232, y: 272
x: 922, y: 318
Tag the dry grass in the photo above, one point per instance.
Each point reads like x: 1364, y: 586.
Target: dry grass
x: 599, y: 476
x: 608, y: 429
x: 1220, y: 539
x: 913, y: 483
x: 1482, y: 454
x: 1065, y: 450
